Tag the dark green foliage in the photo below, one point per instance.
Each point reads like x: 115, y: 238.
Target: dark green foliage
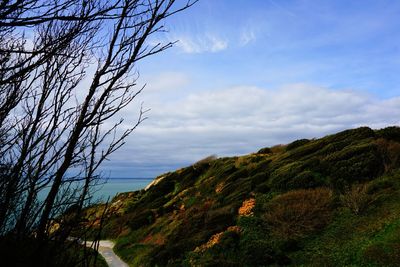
x: 280, y: 178
x: 306, y: 179
x: 241, y: 173
x: 229, y: 241
x: 265, y: 150
x: 296, y: 144
x: 224, y: 253
x: 261, y: 167
x: 258, y: 253
x: 256, y: 246
x: 383, y: 254
x: 220, y: 219
x: 240, y: 191
x: 389, y: 133
x: 351, y: 135
x: 305, y: 151
x: 262, y: 188
x: 353, y: 164
x: 164, y: 187
x: 145, y: 218
x: 381, y: 184
x: 290, y: 245
x: 258, y: 179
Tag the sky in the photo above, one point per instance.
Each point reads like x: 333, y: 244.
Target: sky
x: 247, y: 74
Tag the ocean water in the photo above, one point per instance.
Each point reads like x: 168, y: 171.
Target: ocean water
x: 113, y: 186
x: 107, y: 189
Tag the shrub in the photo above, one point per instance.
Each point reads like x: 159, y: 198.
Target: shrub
x: 219, y: 219
x: 162, y: 188
x: 265, y: 150
x: 229, y: 240
x: 206, y: 160
x: 145, y: 218
x: 262, y: 188
x: 240, y: 173
x: 378, y: 185
x: 300, y: 212
x: 357, y: 198
x: 351, y: 135
x: 285, y: 173
x: 297, y: 175
x: 258, y: 253
x: 258, y: 179
x: 278, y: 148
x: 353, y: 164
x: 389, y: 133
x: 236, y: 198
x: 296, y: 144
x: 390, y: 152
x: 383, y: 254
x: 306, y: 179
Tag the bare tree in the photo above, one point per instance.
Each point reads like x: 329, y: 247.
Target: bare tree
x: 54, y: 130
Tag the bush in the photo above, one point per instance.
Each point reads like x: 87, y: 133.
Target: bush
x: 206, y: 160
x: 265, y: 150
x: 278, y: 148
x: 389, y: 133
x: 157, y: 191
x: 219, y: 219
x: 229, y: 240
x: 145, y: 218
x: 383, y: 254
x: 305, y: 180
x: 378, y: 185
x: 258, y: 253
x: 300, y: 212
x: 298, y: 175
x: 281, y: 176
x: 351, y: 135
x: 357, y: 198
x: 390, y: 152
x: 296, y: 144
x: 353, y: 164
x: 262, y: 188
x: 240, y: 173
x: 258, y: 179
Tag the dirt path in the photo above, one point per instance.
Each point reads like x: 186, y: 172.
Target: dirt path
x: 106, y: 250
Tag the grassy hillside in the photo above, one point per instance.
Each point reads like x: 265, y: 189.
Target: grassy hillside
x: 332, y: 201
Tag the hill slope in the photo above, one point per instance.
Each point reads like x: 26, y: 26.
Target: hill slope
x: 332, y: 201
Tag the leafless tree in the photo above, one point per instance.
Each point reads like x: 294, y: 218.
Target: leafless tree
x: 66, y: 68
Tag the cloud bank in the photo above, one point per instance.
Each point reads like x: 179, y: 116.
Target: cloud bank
x: 242, y: 120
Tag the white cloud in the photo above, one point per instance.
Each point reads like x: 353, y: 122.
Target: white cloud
x: 247, y: 36
x: 243, y: 119
x: 166, y: 81
x: 200, y: 43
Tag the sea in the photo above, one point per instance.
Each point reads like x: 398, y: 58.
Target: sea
x: 108, y: 188
x: 112, y: 186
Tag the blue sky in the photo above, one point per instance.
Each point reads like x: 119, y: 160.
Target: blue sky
x: 247, y: 74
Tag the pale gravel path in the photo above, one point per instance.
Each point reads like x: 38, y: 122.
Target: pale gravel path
x: 106, y: 250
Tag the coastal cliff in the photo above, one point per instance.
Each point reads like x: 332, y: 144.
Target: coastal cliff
x: 332, y: 201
